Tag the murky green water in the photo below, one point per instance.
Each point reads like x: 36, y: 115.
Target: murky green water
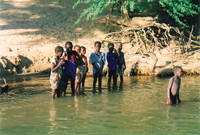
x: 138, y: 108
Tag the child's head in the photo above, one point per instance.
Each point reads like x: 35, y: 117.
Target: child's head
x: 97, y: 46
x: 58, y: 51
x: 111, y: 47
x: 119, y: 46
x: 83, y: 50
x: 68, y: 45
x: 177, y: 70
x: 77, y: 48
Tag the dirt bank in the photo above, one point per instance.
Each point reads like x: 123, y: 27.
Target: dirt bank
x: 30, y: 29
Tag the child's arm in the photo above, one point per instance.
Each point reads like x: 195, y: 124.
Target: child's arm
x: 54, y: 67
x: 94, y: 66
x: 169, y: 89
x: 177, y: 95
x: 86, y: 64
x: 124, y: 62
x: 103, y: 59
x: 84, y: 59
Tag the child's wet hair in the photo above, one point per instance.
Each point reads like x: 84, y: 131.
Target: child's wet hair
x: 175, y: 68
x: 69, y: 43
x: 111, y: 44
x: 59, y: 49
x: 83, y: 47
x: 97, y: 43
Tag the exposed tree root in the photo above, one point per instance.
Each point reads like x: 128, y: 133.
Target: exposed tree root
x: 152, y: 37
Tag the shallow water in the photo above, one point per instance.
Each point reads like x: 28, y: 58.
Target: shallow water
x: 137, y: 108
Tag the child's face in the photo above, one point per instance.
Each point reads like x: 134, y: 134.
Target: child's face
x: 119, y: 47
x: 83, y: 51
x: 77, y: 49
x: 111, y: 48
x: 68, y: 47
x: 59, y: 54
x: 97, y: 47
x: 179, y: 72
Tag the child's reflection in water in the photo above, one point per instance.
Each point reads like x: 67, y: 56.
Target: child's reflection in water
x: 76, y: 102
x: 52, y: 119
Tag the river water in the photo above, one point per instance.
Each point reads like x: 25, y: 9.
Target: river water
x: 138, y: 108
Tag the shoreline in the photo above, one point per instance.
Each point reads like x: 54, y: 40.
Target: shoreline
x: 26, y: 85
x: 90, y: 75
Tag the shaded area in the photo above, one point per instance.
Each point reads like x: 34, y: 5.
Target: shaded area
x: 47, y: 17
x: 24, y: 86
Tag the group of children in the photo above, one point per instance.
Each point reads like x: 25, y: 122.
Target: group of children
x: 71, y: 64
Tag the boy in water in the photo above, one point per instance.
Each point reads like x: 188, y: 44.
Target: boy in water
x: 56, y: 72
x: 84, y: 58
x: 71, y: 66
x: 121, y: 64
x: 97, y: 59
x: 174, y: 86
x: 64, y: 80
x: 112, y: 64
x: 80, y: 70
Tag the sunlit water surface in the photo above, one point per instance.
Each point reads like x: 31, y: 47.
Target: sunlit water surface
x: 136, y: 108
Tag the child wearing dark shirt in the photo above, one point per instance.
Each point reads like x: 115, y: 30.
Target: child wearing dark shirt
x: 112, y: 64
x: 121, y: 64
x: 70, y: 67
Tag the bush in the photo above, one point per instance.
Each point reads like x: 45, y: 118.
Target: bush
x: 177, y: 9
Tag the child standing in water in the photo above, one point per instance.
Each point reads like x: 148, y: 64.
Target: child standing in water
x: 97, y: 59
x: 65, y: 70
x: 112, y: 64
x: 174, y: 86
x: 71, y: 66
x: 80, y: 70
x: 84, y: 58
x: 121, y: 64
x: 56, y: 71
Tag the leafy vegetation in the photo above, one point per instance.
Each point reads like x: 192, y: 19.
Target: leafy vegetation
x: 177, y: 9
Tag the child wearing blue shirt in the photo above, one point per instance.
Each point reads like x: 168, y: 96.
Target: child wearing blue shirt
x: 97, y: 59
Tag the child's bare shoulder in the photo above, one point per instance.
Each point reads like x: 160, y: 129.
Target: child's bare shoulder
x: 171, y: 79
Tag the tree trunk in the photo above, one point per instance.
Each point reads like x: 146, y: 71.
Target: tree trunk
x: 126, y: 12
